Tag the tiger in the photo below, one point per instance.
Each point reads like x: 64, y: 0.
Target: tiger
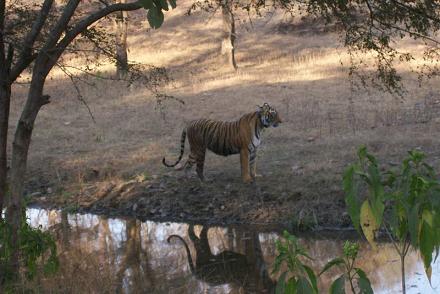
x: 242, y: 136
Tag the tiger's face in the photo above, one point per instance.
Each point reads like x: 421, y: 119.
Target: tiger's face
x: 268, y: 116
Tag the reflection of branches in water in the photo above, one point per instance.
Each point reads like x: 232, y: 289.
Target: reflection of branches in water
x: 134, y: 263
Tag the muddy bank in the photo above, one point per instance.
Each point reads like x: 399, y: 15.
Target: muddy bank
x: 215, y: 202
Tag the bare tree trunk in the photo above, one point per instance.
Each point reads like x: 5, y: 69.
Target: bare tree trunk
x: 121, y: 23
x: 229, y: 36
x: 5, y: 98
x: 22, y: 140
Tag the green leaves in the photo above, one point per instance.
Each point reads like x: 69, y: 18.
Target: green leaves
x: 332, y: 263
x: 155, y: 15
x: 36, y: 248
x: 368, y: 223
x: 413, y: 197
x: 147, y: 4
x: 303, y: 278
x: 363, y: 282
x: 351, y: 273
x: 351, y: 199
x: 338, y: 286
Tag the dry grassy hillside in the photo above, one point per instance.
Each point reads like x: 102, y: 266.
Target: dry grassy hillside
x: 293, y: 65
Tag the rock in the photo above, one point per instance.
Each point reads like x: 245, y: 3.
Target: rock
x: 222, y: 207
x: 135, y: 207
x: 49, y: 190
x: 35, y: 194
x: 311, y: 139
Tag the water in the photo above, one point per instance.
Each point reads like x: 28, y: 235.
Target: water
x: 106, y: 255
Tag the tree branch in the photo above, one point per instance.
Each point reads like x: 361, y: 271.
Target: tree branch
x: 26, y: 56
x: 61, y: 24
x: 84, y: 23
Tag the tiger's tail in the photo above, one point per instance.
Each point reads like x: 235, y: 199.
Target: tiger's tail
x: 182, y: 149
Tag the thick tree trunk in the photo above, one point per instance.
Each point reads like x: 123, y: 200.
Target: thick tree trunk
x: 229, y: 36
x: 5, y: 98
x: 20, y: 148
x: 121, y: 24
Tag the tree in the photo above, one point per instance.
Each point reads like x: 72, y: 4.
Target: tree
x: 121, y: 26
x: 368, y: 26
x: 229, y: 35
x: 53, y: 29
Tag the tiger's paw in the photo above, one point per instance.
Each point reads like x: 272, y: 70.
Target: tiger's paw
x: 247, y: 180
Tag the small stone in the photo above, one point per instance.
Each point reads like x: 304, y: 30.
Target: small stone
x: 135, y: 207
x: 49, y: 190
x: 154, y: 177
x: 311, y: 139
x: 222, y: 207
x: 35, y: 194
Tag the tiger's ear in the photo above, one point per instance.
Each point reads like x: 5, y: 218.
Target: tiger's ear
x: 259, y: 108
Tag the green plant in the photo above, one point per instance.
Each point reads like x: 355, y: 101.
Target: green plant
x: 351, y: 273
x: 302, y: 279
x: 36, y: 247
x: 404, y: 203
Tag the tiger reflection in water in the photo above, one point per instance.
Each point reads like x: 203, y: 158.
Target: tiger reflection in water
x: 228, y: 267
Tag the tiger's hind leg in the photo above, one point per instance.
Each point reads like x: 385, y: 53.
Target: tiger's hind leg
x: 200, y: 164
x: 196, y: 157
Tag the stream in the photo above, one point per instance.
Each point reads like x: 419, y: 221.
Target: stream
x: 106, y: 255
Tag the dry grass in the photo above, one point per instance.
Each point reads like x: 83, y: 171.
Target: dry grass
x: 300, y: 73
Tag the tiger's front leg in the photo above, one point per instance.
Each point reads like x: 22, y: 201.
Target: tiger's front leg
x: 253, y: 164
x: 244, y: 160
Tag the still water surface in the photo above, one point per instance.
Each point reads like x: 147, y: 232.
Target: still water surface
x: 100, y: 254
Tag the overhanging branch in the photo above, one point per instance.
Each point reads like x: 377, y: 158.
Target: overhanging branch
x: 26, y: 56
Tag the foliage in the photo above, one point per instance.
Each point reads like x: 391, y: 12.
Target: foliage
x: 303, y: 279
x: 367, y: 26
x: 37, y: 250
x: 351, y: 273
x: 405, y: 203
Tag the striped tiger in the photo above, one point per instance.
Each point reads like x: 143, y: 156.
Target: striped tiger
x: 242, y: 136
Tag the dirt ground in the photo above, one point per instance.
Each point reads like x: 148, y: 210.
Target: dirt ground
x: 113, y: 166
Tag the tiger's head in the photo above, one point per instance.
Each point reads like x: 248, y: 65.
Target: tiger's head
x: 268, y: 116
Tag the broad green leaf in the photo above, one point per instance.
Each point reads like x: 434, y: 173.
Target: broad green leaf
x: 427, y: 217
x: 147, y: 4
x: 351, y: 199
x: 162, y: 3
x: 173, y: 3
x: 331, y: 263
x: 368, y: 223
x: 426, y: 247
x: 338, y: 286
x: 363, y: 282
x: 291, y: 286
x: 312, y: 278
x: 413, y: 225
x: 303, y: 286
x: 281, y: 284
x: 155, y: 17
